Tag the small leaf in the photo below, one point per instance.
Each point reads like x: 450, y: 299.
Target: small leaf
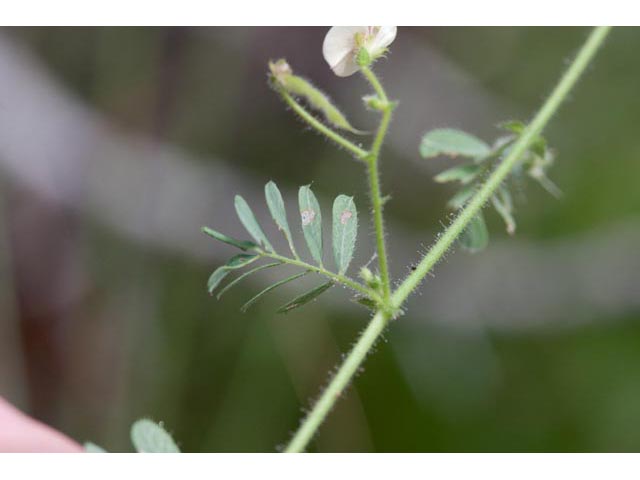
x: 514, y: 126
x: 446, y: 141
x: 367, y: 302
x: 504, y: 206
x: 461, y: 197
x: 244, y: 275
x: 278, y: 211
x: 238, y: 261
x: 311, y: 221
x: 215, y: 278
x: 150, y: 437
x: 476, y: 236
x: 539, y: 144
x: 463, y: 174
x: 241, y: 244
x: 345, y: 231
x: 249, y: 221
x: 253, y: 300
x: 90, y: 447
x: 305, y: 297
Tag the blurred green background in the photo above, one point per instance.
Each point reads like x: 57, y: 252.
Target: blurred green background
x: 118, y: 144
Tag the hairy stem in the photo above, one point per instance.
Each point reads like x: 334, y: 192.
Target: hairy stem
x: 374, y: 180
x: 338, y: 384
x: 377, y: 325
x: 359, y: 153
x: 534, y: 129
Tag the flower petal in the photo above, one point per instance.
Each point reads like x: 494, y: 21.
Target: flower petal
x: 339, y: 48
x: 384, y: 38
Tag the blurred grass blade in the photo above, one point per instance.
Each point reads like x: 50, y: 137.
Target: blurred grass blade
x: 241, y: 244
x: 150, y: 437
x: 233, y: 263
x: 463, y: 174
x: 345, y: 231
x: 311, y: 221
x: 305, y: 297
x: 278, y: 212
x: 244, y: 275
x: 447, y: 141
x: 253, y: 300
x: 476, y: 236
x: 249, y: 221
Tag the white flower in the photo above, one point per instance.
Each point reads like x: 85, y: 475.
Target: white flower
x: 341, y: 45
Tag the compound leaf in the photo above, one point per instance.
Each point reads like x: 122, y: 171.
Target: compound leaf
x: 447, y: 141
x: 311, y: 221
x: 305, y: 297
x: 345, y: 231
x: 150, y: 437
x: 248, y: 219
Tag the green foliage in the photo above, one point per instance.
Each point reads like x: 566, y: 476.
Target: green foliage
x: 463, y: 174
x: 241, y: 244
x: 447, y: 141
x: 90, y: 447
x: 345, y: 226
x: 311, y: 219
x: 534, y: 163
x: 278, y: 212
x: 147, y: 437
x: 238, y: 261
x: 254, y: 299
x: 150, y: 437
x: 475, y: 237
x: 248, y: 219
x: 345, y: 231
x: 306, y: 297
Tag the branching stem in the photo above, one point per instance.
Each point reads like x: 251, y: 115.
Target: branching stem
x: 380, y: 320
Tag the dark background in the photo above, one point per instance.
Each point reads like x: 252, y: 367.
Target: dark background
x: 117, y: 144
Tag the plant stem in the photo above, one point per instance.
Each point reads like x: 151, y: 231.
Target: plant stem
x: 534, y: 129
x: 377, y: 325
x: 374, y: 180
x: 359, y: 153
x: 346, y: 281
x: 338, y: 384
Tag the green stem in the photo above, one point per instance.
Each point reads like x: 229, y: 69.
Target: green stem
x: 377, y: 325
x: 534, y: 129
x: 346, y: 281
x: 359, y: 153
x: 374, y: 180
x: 338, y: 384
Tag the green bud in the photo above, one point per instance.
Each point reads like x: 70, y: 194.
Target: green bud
x: 282, y: 77
x: 374, y: 103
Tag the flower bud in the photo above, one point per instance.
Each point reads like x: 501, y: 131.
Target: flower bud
x: 283, y: 78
